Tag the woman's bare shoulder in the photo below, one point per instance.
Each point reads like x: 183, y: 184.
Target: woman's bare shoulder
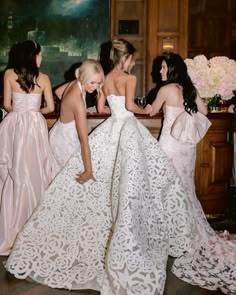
x: 9, y: 73
x: 43, y: 76
x: 73, y: 94
x: 171, y: 88
x: 130, y: 76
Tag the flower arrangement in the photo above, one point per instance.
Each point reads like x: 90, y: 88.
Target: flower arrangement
x: 216, y: 76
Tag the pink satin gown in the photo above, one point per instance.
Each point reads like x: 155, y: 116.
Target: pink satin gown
x: 27, y: 165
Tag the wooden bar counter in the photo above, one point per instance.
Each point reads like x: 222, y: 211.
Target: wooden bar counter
x: 214, y: 161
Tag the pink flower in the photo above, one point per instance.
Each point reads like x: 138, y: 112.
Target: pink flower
x: 214, y: 76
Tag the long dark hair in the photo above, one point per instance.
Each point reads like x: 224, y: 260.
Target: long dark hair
x: 177, y: 73
x: 24, y: 64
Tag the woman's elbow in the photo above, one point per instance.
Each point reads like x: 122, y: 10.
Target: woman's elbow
x: 51, y: 109
x: 48, y: 109
x: 129, y: 107
x: 7, y: 107
x: 100, y: 110
x: 103, y: 110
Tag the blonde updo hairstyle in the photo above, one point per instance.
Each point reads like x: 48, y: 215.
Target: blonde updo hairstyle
x: 87, y: 70
x: 120, y: 51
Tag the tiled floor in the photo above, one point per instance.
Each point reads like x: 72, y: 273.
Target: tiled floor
x: 12, y: 286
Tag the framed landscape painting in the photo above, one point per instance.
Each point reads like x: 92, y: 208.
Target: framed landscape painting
x: 69, y: 31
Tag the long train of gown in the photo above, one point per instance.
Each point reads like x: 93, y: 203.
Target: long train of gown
x: 211, y: 263
x: 113, y: 234
x: 27, y: 165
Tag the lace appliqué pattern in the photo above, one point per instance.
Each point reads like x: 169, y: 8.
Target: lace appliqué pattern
x: 113, y: 234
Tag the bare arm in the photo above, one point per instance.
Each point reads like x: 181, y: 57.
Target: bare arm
x: 82, y: 130
x: 47, y: 90
x: 101, y: 107
x: 130, y: 105
x: 7, y: 92
x: 200, y: 105
x: 158, y: 102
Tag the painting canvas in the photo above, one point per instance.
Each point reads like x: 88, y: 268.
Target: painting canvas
x: 69, y: 31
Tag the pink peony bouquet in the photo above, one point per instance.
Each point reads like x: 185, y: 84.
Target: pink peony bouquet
x: 216, y: 76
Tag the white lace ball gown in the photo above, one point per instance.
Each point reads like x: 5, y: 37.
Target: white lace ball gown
x: 113, y: 234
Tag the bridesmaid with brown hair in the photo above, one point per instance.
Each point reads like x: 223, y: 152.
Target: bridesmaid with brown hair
x: 27, y: 165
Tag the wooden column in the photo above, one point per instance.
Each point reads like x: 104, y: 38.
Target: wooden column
x: 166, y: 19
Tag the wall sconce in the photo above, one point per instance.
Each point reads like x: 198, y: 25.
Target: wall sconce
x: 168, y: 44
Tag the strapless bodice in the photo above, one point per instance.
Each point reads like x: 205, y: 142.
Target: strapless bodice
x: 25, y: 102
x: 117, y: 106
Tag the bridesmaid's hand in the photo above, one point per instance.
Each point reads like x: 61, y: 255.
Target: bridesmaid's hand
x: 84, y: 177
x: 148, y: 109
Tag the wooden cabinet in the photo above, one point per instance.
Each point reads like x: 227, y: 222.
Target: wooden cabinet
x: 214, y: 164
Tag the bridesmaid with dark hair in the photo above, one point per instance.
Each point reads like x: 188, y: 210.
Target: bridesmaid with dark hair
x: 156, y: 79
x: 211, y: 261
x: 27, y: 165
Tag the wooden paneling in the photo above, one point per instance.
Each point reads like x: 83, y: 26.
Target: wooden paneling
x: 196, y: 27
x: 210, y: 25
x: 132, y: 10
x: 167, y: 18
x: 158, y: 19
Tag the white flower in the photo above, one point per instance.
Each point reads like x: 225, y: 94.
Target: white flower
x: 214, y: 76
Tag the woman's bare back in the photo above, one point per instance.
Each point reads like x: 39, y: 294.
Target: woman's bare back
x: 72, y: 97
x: 115, y: 83
x: 174, y: 95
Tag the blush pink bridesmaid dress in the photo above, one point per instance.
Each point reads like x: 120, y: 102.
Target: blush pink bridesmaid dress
x: 27, y: 165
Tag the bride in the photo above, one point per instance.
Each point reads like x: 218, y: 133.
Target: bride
x: 113, y: 234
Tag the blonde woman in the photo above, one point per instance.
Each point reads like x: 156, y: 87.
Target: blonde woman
x: 70, y: 131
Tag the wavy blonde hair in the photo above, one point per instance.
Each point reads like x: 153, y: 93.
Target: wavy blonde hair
x: 84, y: 74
